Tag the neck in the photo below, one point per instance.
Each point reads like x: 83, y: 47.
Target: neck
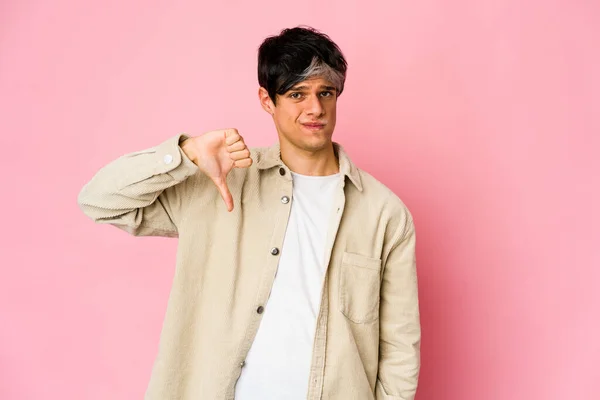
x: 320, y: 162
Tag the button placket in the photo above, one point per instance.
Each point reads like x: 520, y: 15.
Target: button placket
x: 284, y: 189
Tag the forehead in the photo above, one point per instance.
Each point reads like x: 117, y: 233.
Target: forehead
x: 313, y: 84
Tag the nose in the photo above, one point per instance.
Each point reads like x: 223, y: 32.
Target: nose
x: 314, y: 106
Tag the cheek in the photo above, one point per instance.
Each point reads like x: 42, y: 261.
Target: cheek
x: 284, y: 118
x: 331, y: 110
x: 292, y: 114
x: 288, y: 115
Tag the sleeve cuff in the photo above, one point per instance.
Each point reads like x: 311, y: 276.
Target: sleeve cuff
x: 172, y: 159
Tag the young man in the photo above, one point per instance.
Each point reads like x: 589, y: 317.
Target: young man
x: 303, y: 286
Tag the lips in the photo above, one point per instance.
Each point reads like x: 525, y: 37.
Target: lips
x: 314, y: 125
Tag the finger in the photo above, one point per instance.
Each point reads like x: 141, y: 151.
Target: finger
x: 231, y: 136
x: 224, y: 191
x: 237, y: 146
x: 244, y: 163
x: 239, y: 155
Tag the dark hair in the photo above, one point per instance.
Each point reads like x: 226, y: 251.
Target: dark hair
x: 284, y: 60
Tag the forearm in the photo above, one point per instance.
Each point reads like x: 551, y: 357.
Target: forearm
x: 125, y: 192
x: 400, y: 329
x: 400, y: 363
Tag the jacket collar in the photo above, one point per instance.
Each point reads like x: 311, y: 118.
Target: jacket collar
x: 272, y: 158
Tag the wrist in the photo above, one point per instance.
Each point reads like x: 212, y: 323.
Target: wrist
x: 188, y: 148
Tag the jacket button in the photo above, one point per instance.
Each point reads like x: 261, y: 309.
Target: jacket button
x: 242, y: 364
x: 274, y: 251
x: 282, y: 171
x: 285, y: 199
x: 260, y: 309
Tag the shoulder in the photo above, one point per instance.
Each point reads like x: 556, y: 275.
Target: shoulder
x: 264, y: 156
x: 390, y: 206
x: 374, y: 188
x: 240, y: 176
x: 258, y: 152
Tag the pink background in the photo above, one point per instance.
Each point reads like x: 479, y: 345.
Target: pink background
x: 483, y: 117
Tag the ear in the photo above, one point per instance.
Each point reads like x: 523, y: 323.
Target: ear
x: 265, y: 101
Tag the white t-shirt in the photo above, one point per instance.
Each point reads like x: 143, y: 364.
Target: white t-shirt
x: 278, y: 364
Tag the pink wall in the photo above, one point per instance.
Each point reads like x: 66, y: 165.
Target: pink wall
x: 483, y: 117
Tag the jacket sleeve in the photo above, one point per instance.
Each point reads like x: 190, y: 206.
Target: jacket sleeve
x: 139, y: 192
x: 400, y: 328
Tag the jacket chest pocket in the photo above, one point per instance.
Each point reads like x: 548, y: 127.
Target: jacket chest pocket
x: 359, y: 284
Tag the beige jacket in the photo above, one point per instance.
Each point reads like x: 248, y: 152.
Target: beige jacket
x: 368, y: 331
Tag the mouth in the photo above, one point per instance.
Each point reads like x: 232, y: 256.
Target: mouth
x: 314, y: 126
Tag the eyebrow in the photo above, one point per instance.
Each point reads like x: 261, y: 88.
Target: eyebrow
x: 304, y: 87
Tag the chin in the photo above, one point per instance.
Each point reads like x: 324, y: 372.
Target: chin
x: 309, y: 141
x: 315, y: 145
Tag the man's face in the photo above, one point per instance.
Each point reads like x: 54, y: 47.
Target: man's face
x: 305, y: 115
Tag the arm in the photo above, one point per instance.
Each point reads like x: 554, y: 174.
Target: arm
x: 137, y: 191
x: 400, y: 330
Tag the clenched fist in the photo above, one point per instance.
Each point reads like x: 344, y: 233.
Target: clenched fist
x: 216, y: 153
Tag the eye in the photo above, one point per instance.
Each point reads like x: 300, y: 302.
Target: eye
x: 295, y: 95
x: 326, y: 93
